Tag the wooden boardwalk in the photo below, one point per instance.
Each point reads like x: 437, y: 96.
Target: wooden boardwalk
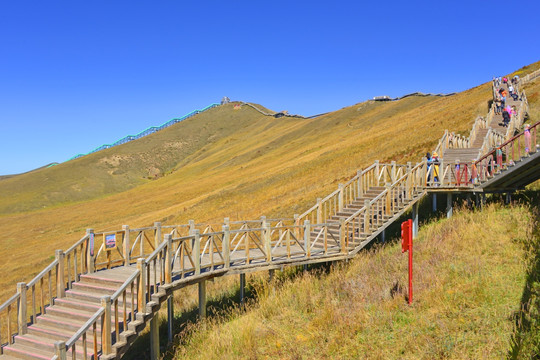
x: 96, y: 297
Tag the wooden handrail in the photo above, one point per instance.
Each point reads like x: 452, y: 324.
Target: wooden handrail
x: 124, y: 286
x: 83, y: 329
x: 506, y: 143
x: 42, y: 273
x: 10, y: 301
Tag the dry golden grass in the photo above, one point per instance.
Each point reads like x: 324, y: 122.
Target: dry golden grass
x: 267, y: 166
x: 468, y: 283
x: 223, y: 163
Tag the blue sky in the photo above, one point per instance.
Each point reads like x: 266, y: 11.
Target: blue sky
x: 75, y: 75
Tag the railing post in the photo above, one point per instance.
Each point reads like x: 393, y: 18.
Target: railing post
x: 393, y: 171
x: 226, y: 246
x: 141, y: 298
x: 90, y: 251
x: 319, y: 210
x: 106, y: 340
x: 126, y: 245
x: 388, y: 199
x: 415, y: 220
x: 441, y: 172
x: 267, y: 244
x: 21, y: 304
x: 296, y: 227
x: 340, y: 197
x: 360, y: 183
x: 197, y: 250
x: 423, y: 181
x: 367, y: 228
x: 307, y: 238
x: 342, y: 235
x: 191, y: 225
x: 168, y: 259
x: 60, y: 350
x: 377, y: 173
x: 157, y: 234
x: 408, y: 183
x: 154, y: 338
x: 60, y: 279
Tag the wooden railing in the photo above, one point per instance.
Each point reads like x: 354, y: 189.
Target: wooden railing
x: 529, y: 77
x: 80, y: 338
x: 507, y: 154
x: 376, y: 175
x: 493, y: 138
x: 516, y: 120
x: 376, y: 212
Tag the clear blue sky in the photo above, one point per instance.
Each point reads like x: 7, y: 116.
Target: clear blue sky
x: 77, y: 74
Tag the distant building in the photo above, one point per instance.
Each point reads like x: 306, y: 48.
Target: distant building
x: 225, y: 100
x: 382, y: 98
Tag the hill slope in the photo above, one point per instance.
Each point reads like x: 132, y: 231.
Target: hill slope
x: 235, y: 163
x: 466, y: 294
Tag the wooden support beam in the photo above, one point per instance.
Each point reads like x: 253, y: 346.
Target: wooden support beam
x: 154, y: 338
x: 170, y: 319
x: 449, y: 205
x: 242, y: 288
x: 434, y: 202
x: 415, y: 220
x: 202, y: 299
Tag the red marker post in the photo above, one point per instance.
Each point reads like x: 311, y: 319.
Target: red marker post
x: 406, y: 245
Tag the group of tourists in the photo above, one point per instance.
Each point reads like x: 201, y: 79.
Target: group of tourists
x: 501, y: 95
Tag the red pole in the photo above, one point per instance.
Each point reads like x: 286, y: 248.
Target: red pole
x: 410, y: 262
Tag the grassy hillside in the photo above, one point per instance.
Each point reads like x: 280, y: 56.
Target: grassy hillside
x: 468, y: 283
x: 222, y: 163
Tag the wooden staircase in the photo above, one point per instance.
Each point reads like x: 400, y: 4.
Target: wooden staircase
x: 68, y: 314
x: 79, y: 314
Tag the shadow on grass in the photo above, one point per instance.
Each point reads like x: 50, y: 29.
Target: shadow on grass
x: 220, y: 306
x: 525, y: 341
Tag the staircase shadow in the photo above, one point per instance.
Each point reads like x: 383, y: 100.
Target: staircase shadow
x: 219, y: 306
x: 525, y: 340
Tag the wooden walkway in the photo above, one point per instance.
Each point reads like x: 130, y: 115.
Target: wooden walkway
x: 95, y: 298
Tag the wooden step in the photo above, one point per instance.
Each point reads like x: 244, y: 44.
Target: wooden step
x: 25, y: 352
x: 47, y: 344
x: 63, y: 323
x: 69, y: 313
x: 55, y: 333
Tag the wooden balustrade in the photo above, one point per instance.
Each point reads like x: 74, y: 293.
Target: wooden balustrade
x: 81, y: 338
x: 507, y: 153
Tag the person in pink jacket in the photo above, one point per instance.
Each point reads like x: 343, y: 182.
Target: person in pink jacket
x: 527, y: 136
